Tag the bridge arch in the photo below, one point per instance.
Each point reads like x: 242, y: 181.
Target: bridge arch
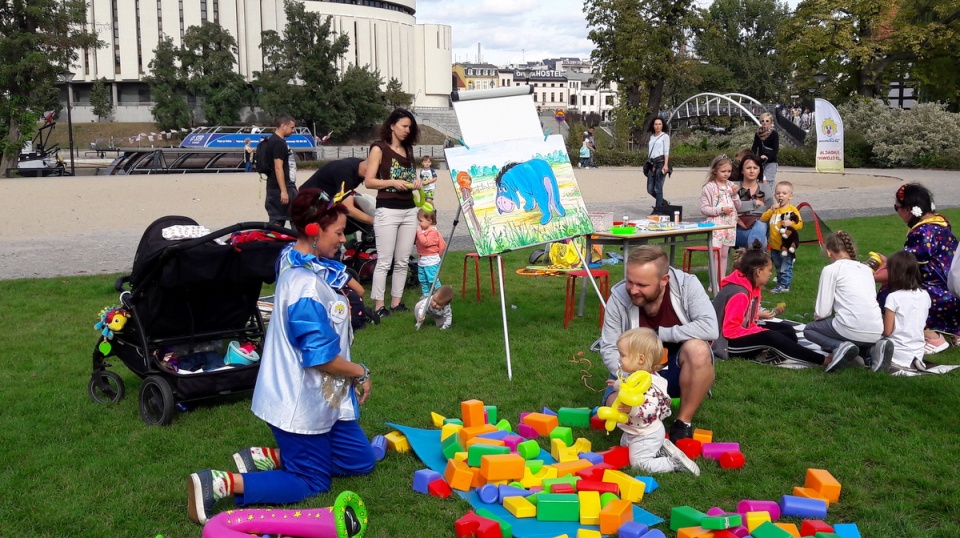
x: 708, y: 99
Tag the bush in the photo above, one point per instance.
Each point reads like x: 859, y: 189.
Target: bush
x: 790, y: 156
x: 912, y: 137
x: 857, y: 151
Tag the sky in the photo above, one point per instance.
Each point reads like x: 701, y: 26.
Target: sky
x: 514, y: 31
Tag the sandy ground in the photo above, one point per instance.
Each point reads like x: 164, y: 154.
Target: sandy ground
x: 91, y: 225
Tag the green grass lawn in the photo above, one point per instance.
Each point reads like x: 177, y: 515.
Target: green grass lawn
x: 71, y: 467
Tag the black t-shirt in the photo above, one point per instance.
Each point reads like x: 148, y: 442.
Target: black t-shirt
x: 334, y: 175
x: 276, y: 149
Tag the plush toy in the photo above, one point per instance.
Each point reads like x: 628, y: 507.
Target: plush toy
x: 112, y: 320
x: 790, y: 235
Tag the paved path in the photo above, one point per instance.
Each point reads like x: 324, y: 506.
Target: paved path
x: 91, y: 225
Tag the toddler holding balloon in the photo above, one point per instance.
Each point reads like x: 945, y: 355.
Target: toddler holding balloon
x: 643, y: 432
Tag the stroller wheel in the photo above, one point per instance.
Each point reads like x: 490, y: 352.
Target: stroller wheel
x: 105, y: 387
x: 156, y: 401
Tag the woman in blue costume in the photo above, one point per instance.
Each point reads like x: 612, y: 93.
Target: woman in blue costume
x: 931, y: 240
x: 308, y: 391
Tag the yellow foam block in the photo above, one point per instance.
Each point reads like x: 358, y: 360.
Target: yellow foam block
x: 582, y: 445
x: 570, y: 467
x: 755, y: 519
x: 704, y: 436
x: 791, y: 528
x: 458, y: 475
x: 586, y: 533
x: 631, y: 489
x: 502, y: 467
x: 519, y: 506
x: 810, y: 494
x: 556, y: 445
x: 449, y: 429
x: 694, y: 532
x: 569, y: 454
x: 589, y: 507
x: 437, y: 419
x: 530, y: 479
x: 461, y: 456
x: 823, y: 482
x: 397, y: 442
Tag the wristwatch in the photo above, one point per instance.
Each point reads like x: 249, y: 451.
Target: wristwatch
x: 366, y: 375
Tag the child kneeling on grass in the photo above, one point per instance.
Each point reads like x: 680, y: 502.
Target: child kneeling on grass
x: 436, y: 306
x: 643, y: 433
x: 905, y: 312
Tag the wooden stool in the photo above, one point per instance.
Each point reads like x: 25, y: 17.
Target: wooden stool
x: 476, y: 271
x: 569, y: 306
x: 688, y: 254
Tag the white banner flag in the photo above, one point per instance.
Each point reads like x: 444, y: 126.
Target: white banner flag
x: 829, y: 131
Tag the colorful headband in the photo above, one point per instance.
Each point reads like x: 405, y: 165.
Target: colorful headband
x: 901, y: 192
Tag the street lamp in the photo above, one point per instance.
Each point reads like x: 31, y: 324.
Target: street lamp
x: 67, y: 76
x: 819, y: 78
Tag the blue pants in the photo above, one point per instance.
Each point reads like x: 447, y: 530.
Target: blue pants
x: 309, y: 462
x: 655, y: 183
x: 758, y: 232
x: 426, y: 276
x: 784, y: 266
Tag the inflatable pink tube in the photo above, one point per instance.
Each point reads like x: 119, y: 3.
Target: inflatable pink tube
x: 347, y: 518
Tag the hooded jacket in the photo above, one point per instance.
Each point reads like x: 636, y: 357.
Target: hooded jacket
x: 738, y: 309
x: 698, y: 319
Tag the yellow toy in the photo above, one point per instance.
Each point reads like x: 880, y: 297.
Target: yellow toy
x: 631, y: 393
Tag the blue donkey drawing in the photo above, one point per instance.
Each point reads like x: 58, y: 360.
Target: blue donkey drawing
x: 535, y: 182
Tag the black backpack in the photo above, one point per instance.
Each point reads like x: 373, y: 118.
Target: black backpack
x: 261, y: 163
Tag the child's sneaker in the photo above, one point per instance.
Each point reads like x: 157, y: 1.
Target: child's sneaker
x: 881, y: 355
x: 780, y: 289
x: 254, y: 459
x: 204, y: 489
x: 845, y: 352
x: 680, y: 460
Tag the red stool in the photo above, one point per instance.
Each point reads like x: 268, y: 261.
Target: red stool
x: 688, y: 254
x: 570, y: 304
x: 476, y: 271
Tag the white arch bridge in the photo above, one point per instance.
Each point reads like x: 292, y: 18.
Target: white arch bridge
x: 717, y: 105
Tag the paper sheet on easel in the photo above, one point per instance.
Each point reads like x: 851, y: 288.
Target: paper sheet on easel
x: 492, y: 120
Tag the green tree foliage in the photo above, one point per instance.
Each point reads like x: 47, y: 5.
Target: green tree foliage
x: 864, y: 44
x: 38, y: 40
x: 395, y: 96
x: 209, y: 59
x: 100, y: 98
x: 738, y: 43
x: 639, y: 45
x: 359, y: 91
x: 167, y: 86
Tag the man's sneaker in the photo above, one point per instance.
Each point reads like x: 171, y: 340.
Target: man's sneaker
x: 881, y: 354
x: 843, y: 353
x: 382, y: 312
x: 400, y: 308
x: 680, y: 430
x: 204, y: 489
x: 680, y: 460
x: 252, y: 460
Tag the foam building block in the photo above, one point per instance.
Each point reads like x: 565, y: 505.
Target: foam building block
x: 543, y: 424
x: 592, y: 457
x: 597, y: 423
x: 618, y: 456
x: 587, y: 533
x: 691, y: 447
x: 631, y: 489
x: 822, y: 481
x: 565, y: 488
x: 825, y: 535
x: 556, y: 446
x: 520, y: 507
x: 477, y: 451
x: 654, y: 533
x: 547, y: 411
x: 732, y: 460
x: 649, y: 482
x: 598, y: 486
x: 595, y: 472
x: 504, y: 424
x: 607, y: 498
x: 397, y: 442
x: 512, y: 441
x: 632, y: 529
x: 769, y: 530
x: 527, y: 432
x: 502, y: 467
x: 528, y: 450
x: 791, y: 529
x: 450, y: 446
x: 716, y: 511
x: 846, y: 530
x: 473, y: 526
x: 582, y: 445
x: 488, y: 493
x: 803, y: 507
x: 755, y: 519
x: 810, y: 494
x: 574, y: 417
x: 614, y: 515
x: 452, y: 421
x: 724, y: 534
x: 589, y: 506
x: 439, y: 488
x: 437, y: 419
x: 558, y: 507
x: 534, y: 465
x: 499, y: 435
x: 459, y: 475
x: 704, y: 436
x: 449, y: 429
x: 479, y: 440
x: 472, y: 413
x: 379, y: 446
x: 491, y: 412
x: 422, y: 478
x: 759, y: 506
x: 719, y: 523
x: 810, y: 527
x: 715, y: 450
x: 685, y: 516
x: 469, y: 432
x: 506, y: 529
x: 694, y: 532
x: 565, y: 468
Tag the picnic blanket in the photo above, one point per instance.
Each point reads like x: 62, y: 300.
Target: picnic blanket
x: 426, y: 444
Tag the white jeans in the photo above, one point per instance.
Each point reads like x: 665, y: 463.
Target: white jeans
x: 643, y: 451
x: 395, y: 231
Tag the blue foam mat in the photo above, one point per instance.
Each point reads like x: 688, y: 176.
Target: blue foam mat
x: 426, y: 444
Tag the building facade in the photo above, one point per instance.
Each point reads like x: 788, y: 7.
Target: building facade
x: 384, y: 35
x: 480, y: 76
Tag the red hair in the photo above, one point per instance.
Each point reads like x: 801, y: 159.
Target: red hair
x: 313, y: 205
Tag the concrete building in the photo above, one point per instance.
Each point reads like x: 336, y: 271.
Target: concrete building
x: 480, y: 76
x: 383, y: 35
x: 587, y: 97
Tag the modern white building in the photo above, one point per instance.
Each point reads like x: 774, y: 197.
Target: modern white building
x: 383, y: 35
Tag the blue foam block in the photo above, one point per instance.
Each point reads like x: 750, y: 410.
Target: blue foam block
x: 651, y: 483
x: 422, y: 478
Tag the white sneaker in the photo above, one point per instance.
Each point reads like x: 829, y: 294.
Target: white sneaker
x: 680, y: 460
x: 881, y: 354
x: 843, y: 353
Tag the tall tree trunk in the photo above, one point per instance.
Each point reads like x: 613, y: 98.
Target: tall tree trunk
x: 633, y: 101
x: 653, y: 109
x: 10, y: 158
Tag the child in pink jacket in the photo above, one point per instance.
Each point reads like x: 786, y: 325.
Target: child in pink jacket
x: 430, y: 245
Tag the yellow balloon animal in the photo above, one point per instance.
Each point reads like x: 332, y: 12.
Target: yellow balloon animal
x: 631, y: 393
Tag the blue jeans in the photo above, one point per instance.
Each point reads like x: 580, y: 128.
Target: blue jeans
x: 655, y: 184
x: 247, y: 166
x: 426, y: 276
x: 784, y: 266
x: 309, y: 462
x: 757, y: 232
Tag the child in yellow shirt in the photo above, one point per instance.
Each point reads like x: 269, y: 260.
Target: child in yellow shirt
x: 782, y: 214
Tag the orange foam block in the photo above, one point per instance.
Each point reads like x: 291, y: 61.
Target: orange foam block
x: 789, y: 528
x: 614, y: 515
x: 502, y: 467
x: 472, y: 413
x: 571, y: 467
x: 543, y: 424
x: 704, y: 436
x: 694, y: 532
x: 459, y: 475
x: 468, y: 433
x: 822, y: 481
x: 810, y: 494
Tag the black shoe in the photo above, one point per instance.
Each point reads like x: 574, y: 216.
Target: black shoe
x: 680, y: 430
x: 399, y: 308
x: 381, y: 313
x: 372, y: 316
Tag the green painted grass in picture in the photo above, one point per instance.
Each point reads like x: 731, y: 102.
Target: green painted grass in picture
x: 518, y: 193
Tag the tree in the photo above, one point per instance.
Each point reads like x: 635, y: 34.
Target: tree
x: 359, y: 90
x: 38, y: 40
x: 395, y: 96
x: 166, y: 82
x: 209, y: 59
x: 739, y: 43
x: 640, y: 44
x: 100, y: 98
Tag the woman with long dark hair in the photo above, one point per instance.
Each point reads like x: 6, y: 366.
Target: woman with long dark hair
x: 756, y: 196
x: 658, y: 161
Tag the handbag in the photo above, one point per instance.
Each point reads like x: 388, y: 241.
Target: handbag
x: 647, y: 167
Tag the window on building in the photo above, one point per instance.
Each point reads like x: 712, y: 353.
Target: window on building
x: 591, y: 100
x: 608, y: 100
x: 573, y: 100
x: 552, y: 84
x: 470, y: 85
x: 552, y: 95
x: 561, y: 96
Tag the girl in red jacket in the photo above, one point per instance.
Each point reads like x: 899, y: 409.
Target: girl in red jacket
x: 738, y: 310
x: 430, y: 245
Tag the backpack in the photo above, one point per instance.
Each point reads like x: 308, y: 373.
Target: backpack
x: 260, y: 161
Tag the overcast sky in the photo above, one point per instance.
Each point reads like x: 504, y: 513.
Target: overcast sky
x: 514, y: 31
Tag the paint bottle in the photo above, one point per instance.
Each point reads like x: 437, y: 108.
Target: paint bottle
x: 676, y: 216
x: 626, y: 220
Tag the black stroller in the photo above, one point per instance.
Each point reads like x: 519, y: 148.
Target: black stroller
x: 188, y: 294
